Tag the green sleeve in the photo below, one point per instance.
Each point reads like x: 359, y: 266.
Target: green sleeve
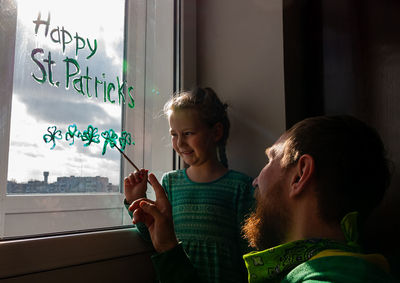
x: 141, y: 227
x: 126, y: 204
x: 174, y: 266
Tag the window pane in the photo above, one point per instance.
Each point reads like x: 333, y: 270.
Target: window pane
x: 67, y: 98
x: 74, y: 100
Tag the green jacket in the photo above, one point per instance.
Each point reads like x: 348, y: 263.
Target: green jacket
x: 341, y: 267
x: 174, y: 266
x: 310, y: 260
x: 328, y: 265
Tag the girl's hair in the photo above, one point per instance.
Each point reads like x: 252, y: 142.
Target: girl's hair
x: 210, y: 109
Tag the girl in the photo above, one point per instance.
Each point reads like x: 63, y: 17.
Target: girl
x: 209, y: 201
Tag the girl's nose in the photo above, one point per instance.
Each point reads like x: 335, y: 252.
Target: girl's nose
x: 180, y: 141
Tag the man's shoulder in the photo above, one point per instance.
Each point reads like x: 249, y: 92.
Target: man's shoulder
x: 338, y: 269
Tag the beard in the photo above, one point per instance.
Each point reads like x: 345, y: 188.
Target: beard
x: 268, y: 226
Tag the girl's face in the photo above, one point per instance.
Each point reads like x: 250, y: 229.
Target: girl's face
x: 191, y: 138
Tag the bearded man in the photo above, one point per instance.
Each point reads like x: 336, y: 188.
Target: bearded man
x: 324, y: 177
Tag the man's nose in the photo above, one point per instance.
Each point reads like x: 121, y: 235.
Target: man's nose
x: 255, y: 182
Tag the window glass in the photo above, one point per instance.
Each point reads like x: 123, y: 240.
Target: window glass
x: 89, y: 79
x: 67, y: 98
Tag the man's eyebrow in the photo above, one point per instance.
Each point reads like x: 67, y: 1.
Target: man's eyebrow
x: 270, y: 151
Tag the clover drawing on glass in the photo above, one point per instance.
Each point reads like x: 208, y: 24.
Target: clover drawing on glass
x: 52, y: 136
x: 72, y: 133
x: 89, y: 136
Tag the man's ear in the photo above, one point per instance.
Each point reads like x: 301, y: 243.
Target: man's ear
x: 218, y: 131
x: 302, y: 174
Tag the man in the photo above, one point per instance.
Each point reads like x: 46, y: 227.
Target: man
x: 323, y: 176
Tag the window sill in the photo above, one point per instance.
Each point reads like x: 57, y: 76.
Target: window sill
x: 34, y: 255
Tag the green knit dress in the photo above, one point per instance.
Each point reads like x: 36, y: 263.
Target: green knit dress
x: 207, y: 218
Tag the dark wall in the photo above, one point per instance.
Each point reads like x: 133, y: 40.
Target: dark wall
x: 302, y: 40
x: 343, y: 57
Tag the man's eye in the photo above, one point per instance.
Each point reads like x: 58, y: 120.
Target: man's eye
x: 188, y: 133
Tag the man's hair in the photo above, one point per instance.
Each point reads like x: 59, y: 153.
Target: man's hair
x: 351, y: 168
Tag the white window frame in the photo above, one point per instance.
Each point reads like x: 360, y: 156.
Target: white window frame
x: 152, y: 148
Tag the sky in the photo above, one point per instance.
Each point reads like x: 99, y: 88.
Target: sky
x: 37, y: 106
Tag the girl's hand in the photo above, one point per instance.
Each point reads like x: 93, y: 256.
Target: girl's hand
x: 135, y: 185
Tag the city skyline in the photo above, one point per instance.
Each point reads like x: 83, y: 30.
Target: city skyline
x: 63, y: 184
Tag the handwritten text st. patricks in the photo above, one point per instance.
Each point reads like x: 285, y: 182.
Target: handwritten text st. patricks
x: 82, y: 83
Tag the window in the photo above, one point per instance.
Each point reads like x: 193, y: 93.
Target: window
x: 86, y: 79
